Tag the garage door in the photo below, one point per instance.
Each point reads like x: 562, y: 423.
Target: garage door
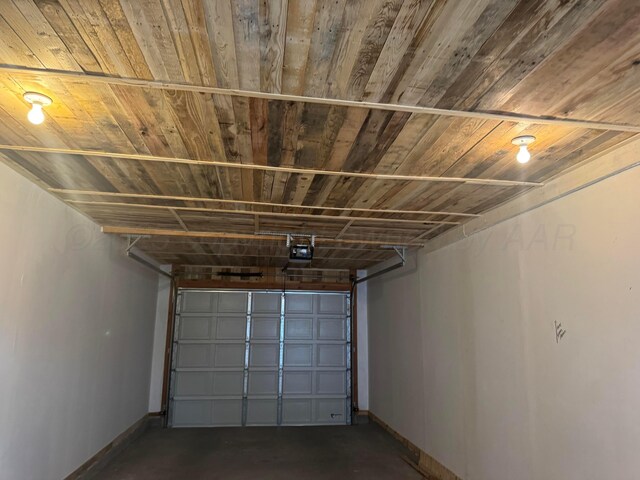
x: 260, y: 358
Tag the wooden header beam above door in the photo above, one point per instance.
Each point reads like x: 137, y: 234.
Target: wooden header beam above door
x: 394, y: 107
x: 242, y: 236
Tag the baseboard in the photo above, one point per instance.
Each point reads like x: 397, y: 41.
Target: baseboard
x: 84, y: 471
x: 427, y: 465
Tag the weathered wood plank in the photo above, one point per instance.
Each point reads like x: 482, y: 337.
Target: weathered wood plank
x: 31, y: 26
x: 300, y: 20
x: 69, y: 34
x: 273, y: 29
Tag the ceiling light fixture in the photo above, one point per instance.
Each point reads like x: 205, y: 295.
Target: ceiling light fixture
x: 523, y: 141
x: 37, y: 101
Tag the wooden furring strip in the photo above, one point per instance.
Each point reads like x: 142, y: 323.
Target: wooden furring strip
x: 269, y: 168
x: 394, y: 107
x: 260, y: 204
x: 241, y: 236
x: 267, y: 214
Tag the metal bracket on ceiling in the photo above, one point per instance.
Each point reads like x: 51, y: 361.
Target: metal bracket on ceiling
x: 401, y: 252
x: 291, y: 236
x: 132, y: 240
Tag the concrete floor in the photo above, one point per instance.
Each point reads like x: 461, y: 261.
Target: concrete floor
x: 359, y: 452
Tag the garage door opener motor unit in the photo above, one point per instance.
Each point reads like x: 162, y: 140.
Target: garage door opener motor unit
x: 301, y: 252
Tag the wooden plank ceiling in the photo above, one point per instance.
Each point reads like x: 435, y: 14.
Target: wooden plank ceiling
x: 150, y: 156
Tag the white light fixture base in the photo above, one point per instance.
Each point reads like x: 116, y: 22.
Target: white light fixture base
x: 523, y: 140
x: 39, y: 98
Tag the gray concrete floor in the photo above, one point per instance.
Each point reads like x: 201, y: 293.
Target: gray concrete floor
x: 359, y: 452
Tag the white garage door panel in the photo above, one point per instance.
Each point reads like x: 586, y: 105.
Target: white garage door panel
x: 232, y: 302
x: 314, y: 383
x: 264, y: 355
x: 331, y: 383
x: 227, y: 412
x: 264, y: 359
x: 266, y: 303
x: 331, y: 356
x: 316, y: 369
x: 192, y: 412
x: 261, y: 358
x: 265, y: 328
x: 198, y: 302
x: 262, y: 412
x: 228, y: 355
x: 311, y: 411
x: 208, y: 364
x: 194, y: 383
x: 195, y: 327
x: 298, y: 328
x: 263, y: 383
x: 298, y: 382
x: 194, y: 355
x: 298, y: 355
x: 231, y: 328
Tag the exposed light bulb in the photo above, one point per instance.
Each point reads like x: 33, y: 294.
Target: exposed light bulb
x: 36, y: 115
x: 523, y: 155
x: 522, y: 142
x: 37, y: 101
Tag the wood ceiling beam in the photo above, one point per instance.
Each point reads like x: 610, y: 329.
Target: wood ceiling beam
x: 394, y: 107
x: 151, y: 242
x: 260, y: 204
x: 268, y: 168
x: 265, y: 214
x: 242, y: 236
x: 277, y: 272
x: 315, y: 257
x: 320, y: 284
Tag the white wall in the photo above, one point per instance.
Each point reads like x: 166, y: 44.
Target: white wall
x: 159, y: 345
x: 76, y: 325
x: 463, y: 353
x: 362, y: 342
